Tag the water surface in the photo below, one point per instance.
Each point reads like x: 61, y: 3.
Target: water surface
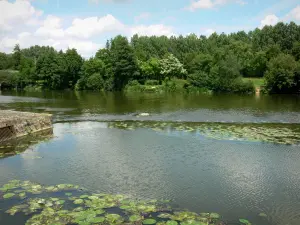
x: 236, y: 178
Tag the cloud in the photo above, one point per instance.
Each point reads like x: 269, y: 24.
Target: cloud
x: 294, y: 14
x: 16, y: 13
x: 90, y: 26
x: 142, y: 16
x: 87, y: 34
x: 269, y: 20
x: 51, y: 28
x: 209, y: 32
x: 209, y: 4
x: 158, y: 29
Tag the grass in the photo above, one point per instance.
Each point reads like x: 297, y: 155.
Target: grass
x: 258, y: 82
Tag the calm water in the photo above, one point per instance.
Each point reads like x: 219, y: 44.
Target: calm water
x: 238, y: 179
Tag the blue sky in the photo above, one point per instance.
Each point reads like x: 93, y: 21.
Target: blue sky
x: 86, y: 24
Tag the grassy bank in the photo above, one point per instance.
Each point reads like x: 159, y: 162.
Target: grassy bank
x: 257, y: 82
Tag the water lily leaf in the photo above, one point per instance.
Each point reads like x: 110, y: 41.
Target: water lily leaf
x: 165, y: 215
x: 192, y: 222
x: 125, y: 207
x: 22, y: 195
x: 68, y: 194
x: 149, y: 221
x: 214, y: 215
x: 244, y: 221
x: 83, y: 196
x: 114, y: 218
x: 60, y: 202
x: 97, y: 220
x: 135, y: 218
x: 8, y: 195
x: 172, y: 222
x: 78, y: 201
x: 93, y: 197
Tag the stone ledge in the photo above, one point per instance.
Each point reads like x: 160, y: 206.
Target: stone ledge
x: 15, y: 124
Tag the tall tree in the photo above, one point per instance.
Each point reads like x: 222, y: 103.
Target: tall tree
x: 17, y: 56
x: 124, y: 64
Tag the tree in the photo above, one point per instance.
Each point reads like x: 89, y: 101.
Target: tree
x: 73, y: 63
x: 281, y: 74
x: 224, y: 74
x: 257, y: 65
x: 16, y: 56
x: 296, y: 50
x: 124, y: 64
x: 202, y: 62
x: 5, y: 61
x: 150, y: 70
x: 92, y: 75
x: 48, y: 70
x: 172, y: 67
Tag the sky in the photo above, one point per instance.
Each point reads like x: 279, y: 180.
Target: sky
x: 87, y: 24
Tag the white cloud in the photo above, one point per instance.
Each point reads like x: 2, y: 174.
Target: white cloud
x: 209, y: 4
x: 88, y: 27
x: 54, y: 31
x: 269, y: 20
x: 16, y: 13
x: 294, y: 14
x: 142, y: 16
x: 209, y: 32
x: 51, y: 28
x: 158, y: 29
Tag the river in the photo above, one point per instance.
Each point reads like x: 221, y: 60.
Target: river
x: 181, y: 151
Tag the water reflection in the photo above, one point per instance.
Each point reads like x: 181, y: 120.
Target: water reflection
x: 177, y: 107
x: 235, y: 179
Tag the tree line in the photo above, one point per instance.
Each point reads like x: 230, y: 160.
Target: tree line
x: 216, y: 63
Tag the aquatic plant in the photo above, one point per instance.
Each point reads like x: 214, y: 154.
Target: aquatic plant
x: 273, y: 133
x: 70, y: 204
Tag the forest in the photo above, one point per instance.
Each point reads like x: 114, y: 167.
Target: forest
x: 218, y: 63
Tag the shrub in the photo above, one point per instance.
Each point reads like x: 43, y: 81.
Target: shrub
x: 281, y: 74
x: 152, y: 82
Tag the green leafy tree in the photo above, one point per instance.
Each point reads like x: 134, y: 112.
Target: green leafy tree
x: 224, y: 75
x: 150, y: 70
x: 16, y: 56
x: 48, y: 70
x: 281, y: 74
x: 124, y: 63
x: 73, y: 63
x: 296, y: 50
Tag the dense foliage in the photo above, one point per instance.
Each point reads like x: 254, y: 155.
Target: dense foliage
x: 216, y: 63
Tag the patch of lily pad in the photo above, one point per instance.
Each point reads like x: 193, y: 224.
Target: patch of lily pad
x: 288, y: 134
x: 70, y: 204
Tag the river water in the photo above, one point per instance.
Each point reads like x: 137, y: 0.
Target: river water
x: 101, y: 143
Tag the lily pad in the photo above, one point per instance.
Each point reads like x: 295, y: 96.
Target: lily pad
x: 97, y: 220
x: 263, y: 215
x: 8, y: 195
x: 135, y: 218
x: 171, y: 222
x: 214, y: 215
x: 78, y: 201
x: 149, y: 221
x: 244, y: 221
x: 22, y: 195
x: 68, y: 194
